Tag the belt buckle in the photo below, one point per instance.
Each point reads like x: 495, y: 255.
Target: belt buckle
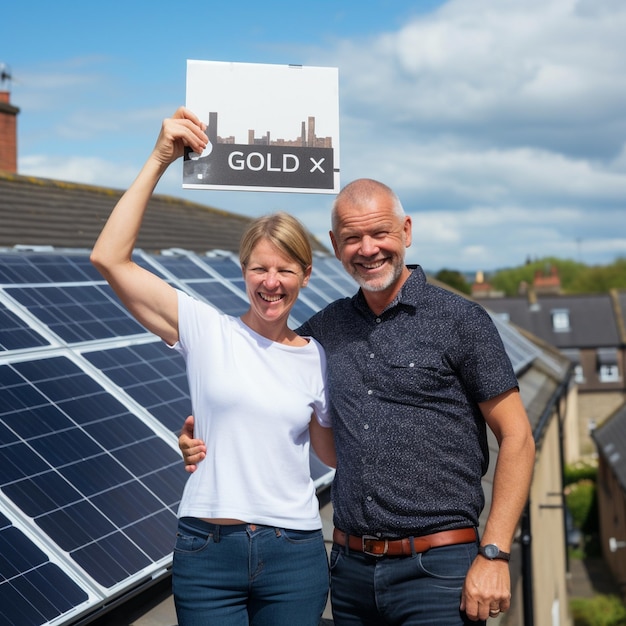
x: 366, y: 545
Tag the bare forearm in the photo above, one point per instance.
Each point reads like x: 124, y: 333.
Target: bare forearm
x: 511, y: 485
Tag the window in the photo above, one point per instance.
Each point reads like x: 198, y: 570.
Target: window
x: 608, y: 371
x: 560, y: 321
x: 609, y: 374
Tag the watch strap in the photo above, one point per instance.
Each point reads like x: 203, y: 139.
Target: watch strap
x: 492, y: 552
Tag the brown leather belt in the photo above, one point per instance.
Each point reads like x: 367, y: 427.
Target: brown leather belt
x: 402, y: 547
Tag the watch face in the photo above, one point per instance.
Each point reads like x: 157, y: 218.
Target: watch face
x: 491, y: 551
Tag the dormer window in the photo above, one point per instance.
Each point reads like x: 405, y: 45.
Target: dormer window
x: 608, y: 370
x: 560, y: 321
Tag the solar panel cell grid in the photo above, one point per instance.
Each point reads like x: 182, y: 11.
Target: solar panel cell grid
x: 83, y: 482
x: 228, y: 267
x: 16, y: 334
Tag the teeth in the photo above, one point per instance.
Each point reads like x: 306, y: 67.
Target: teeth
x: 372, y: 266
x: 270, y: 298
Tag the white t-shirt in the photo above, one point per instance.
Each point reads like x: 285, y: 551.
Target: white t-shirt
x: 252, y: 400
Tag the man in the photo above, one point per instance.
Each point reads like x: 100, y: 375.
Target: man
x: 415, y: 374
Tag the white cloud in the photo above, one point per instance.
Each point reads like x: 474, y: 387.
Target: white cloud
x: 86, y: 170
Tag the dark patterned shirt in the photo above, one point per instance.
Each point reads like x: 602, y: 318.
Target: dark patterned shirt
x: 404, y: 387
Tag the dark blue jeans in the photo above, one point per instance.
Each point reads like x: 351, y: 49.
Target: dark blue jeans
x: 419, y: 590
x: 248, y: 574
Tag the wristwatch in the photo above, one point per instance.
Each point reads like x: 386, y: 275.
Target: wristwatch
x: 491, y: 552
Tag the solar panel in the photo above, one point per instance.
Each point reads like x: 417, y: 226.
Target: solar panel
x: 33, y: 590
x: 77, y: 312
x: 226, y: 265
x: 207, y: 279
x: 220, y: 296
x: 46, y: 268
x: 15, y: 334
x: 151, y: 374
x: 72, y: 464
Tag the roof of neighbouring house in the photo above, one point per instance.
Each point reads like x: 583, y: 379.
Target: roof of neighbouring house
x: 43, y: 212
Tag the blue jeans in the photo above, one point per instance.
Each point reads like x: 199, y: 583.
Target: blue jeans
x: 248, y: 574
x: 423, y: 589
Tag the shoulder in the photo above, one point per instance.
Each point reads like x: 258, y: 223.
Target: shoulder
x: 331, y: 313
x: 198, y: 318
x: 440, y: 297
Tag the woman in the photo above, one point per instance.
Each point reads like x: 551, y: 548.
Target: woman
x: 249, y: 547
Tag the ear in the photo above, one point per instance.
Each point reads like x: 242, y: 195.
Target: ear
x: 307, y: 275
x: 408, y: 231
x: 334, y: 242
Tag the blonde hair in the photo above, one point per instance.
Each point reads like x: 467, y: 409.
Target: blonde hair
x: 283, y: 231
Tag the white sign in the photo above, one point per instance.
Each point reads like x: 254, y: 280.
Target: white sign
x: 270, y: 127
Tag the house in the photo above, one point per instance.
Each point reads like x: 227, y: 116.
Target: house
x: 82, y: 386
x: 590, y: 331
x: 610, y: 439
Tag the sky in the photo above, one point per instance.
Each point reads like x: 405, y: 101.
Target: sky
x: 500, y: 125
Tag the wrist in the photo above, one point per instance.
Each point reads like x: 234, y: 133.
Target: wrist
x: 492, y: 552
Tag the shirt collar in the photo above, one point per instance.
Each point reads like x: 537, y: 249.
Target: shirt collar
x: 407, y: 296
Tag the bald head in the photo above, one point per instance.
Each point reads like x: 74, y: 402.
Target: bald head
x: 362, y: 192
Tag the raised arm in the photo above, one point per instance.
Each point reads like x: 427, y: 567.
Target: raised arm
x: 487, y: 585
x: 150, y: 299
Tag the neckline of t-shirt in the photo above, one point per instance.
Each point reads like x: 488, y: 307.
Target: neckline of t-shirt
x: 270, y: 342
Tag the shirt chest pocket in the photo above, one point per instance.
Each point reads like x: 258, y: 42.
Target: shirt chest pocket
x: 413, y: 375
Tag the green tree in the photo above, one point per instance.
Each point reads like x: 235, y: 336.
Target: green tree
x: 600, y: 278
x: 454, y: 279
x: 575, y: 277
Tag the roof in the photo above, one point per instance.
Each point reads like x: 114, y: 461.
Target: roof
x: 44, y: 212
x: 610, y: 438
x: 593, y: 318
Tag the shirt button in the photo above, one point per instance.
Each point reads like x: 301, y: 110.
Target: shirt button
x: 411, y: 364
x: 378, y: 320
x: 369, y: 392
x: 366, y: 427
x: 369, y: 498
x: 372, y: 355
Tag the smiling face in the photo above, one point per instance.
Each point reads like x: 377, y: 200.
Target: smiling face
x: 273, y: 282
x: 370, y: 236
x: 276, y: 260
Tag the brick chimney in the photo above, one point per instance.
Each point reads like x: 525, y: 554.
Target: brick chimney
x: 8, y: 134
